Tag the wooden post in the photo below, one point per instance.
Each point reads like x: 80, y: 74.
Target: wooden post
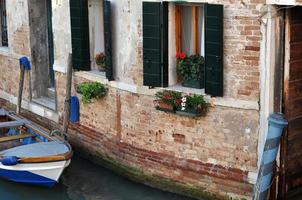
x: 68, y: 95
x: 20, y: 91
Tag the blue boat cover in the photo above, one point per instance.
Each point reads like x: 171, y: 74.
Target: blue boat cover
x: 42, y: 149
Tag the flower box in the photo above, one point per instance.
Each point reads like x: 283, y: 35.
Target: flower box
x: 192, y: 83
x: 162, y: 106
x: 191, y: 112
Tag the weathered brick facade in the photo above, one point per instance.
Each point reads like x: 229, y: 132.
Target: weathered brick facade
x: 216, y: 154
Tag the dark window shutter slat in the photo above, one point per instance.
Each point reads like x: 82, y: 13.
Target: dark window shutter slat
x: 165, y: 44
x: 214, y: 49
x: 108, y: 39
x: 80, y: 34
x: 155, y: 44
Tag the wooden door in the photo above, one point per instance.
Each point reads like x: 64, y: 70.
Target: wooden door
x: 291, y: 148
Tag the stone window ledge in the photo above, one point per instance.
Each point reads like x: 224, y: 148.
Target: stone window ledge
x: 4, y: 51
x: 143, y: 90
x: 32, y: 107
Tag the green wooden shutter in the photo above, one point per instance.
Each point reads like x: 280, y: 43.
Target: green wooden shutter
x: 108, y: 39
x: 80, y: 34
x: 155, y: 43
x: 214, y: 49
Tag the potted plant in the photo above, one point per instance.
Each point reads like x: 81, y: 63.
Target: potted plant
x: 192, y: 106
x: 190, y: 70
x: 100, y: 60
x: 167, y: 100
x: 89, y: 91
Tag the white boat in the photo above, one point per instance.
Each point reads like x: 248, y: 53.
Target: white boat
x: 29, y: 154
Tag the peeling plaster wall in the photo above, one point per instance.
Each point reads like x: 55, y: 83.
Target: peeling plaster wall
x: 61, y: 33
x: 18, y: 27
x: 127, y: 41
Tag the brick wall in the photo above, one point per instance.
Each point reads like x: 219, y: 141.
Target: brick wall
x: 20, y: 41
x: 216, y: 152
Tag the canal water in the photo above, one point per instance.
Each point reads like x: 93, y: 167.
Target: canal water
x: 86, y: 181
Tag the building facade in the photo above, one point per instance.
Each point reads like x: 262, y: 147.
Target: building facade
x: 214, y: 156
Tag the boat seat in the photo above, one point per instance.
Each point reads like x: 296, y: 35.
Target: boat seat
x: 11, y: 124
x: 41, y: 149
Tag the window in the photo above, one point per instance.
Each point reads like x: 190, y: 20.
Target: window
x: 4, y: 40
x: 91, y: 34
x: 169, y: 28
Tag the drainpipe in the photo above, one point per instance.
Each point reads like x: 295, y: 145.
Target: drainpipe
x: 276, y: 123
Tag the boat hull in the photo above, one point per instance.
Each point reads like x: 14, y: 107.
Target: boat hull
x: 42, y: 174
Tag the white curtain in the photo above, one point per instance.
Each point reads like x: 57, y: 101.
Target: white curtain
x: 187, y: 30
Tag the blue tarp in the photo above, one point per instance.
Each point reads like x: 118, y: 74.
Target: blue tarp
x: 42, y: 149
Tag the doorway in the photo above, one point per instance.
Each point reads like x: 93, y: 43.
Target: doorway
x: 42, y: 52
x: 290, y: 184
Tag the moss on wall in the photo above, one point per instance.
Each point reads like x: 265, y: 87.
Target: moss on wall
x: 148, y: 179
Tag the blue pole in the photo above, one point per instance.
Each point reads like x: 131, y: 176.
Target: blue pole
x: 276, y: 123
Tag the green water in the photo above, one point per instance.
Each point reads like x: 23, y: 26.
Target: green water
x: 85, y: 181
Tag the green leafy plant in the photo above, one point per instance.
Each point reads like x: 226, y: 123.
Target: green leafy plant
x: 193, y: 106
x: 169, y: 97
x: 91, y: 91
x: 195, y: 101
x: 189, y: 67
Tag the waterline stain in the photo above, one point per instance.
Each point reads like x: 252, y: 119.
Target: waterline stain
x: 83, y: 180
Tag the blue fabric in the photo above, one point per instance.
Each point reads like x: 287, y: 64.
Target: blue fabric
x: 74, y: 109
x: 25, y: 63
x: 12, y: 131
x: 26, y: 177
x: 9, y: 161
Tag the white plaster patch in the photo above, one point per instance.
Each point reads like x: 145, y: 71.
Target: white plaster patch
x: 248, y: 131
x: 252, y: 177
x: 212, y: 161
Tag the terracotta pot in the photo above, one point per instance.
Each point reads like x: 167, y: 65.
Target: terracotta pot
x: 160, y: 105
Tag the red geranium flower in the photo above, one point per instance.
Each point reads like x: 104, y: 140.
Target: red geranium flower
x: 181, y: 55
x: 178, y: 102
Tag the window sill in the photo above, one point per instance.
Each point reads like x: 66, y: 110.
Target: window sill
x: 98, y: 73
x: 180, y: 88
x: 4, y: 51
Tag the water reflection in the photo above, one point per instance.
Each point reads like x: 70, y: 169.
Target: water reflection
x: 85, y: 181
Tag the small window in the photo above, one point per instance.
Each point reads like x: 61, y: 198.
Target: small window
x: 91, y: 36
x: 183, y: 45
x: 189, y: 40
x: 96, y: 36
x: 4, y: 39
